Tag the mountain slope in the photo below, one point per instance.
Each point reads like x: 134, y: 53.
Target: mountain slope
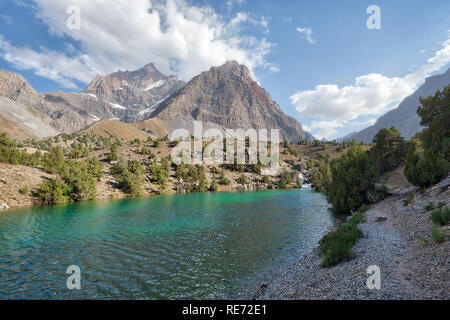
x: 124, y: 95
x: 227, y: 96
x: 19, y: 105
x: 23, y: 122
x: 404, y: 117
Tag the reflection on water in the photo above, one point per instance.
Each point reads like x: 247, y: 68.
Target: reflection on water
x: 196, y: 246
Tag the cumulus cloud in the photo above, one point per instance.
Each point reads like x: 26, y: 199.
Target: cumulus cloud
x: 308, y: 33
x: 372, y: 94
x: 49, y: 64
x: 132, y: 33
x: 324, y: 129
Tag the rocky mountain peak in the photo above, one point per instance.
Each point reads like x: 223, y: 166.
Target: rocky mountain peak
x: 13, y: 86
x: 229, y: 97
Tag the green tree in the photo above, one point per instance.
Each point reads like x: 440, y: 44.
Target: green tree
x: 223, y: 180
x: 321, y: 176
x: 52, y: 192
x: 214, y: 186
x: 426, y: 171
x: 242, y: 180
x: 389, y: 149
x: 354, y: 176
x: 113, y: 154
x: 53, y: 161
x: 435, y: 116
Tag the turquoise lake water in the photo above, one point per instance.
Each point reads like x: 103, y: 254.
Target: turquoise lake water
x: 194, y: 246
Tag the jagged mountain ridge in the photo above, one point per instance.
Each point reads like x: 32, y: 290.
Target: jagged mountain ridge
x: 228, y: 97
x: 225, y: 96
x: 404, y: 117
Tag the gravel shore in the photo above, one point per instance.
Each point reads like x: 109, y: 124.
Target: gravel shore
x: 396, y: 239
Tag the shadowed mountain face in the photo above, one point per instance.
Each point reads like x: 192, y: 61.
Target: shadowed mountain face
x: 404, y: 117
x: 228, y: 97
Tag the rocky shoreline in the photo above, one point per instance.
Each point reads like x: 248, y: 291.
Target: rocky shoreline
x: 396, y: 239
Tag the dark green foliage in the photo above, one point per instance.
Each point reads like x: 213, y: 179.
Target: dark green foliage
x: 242, y: 180
x: 435, y: 116
x: 113, y: 154
x: 24, y: 190
x: 53, y: 161
x: 285, y: 180
x: 256, y: 168
x: 426, y: 171
x: 95, y: 167
x: 337, y: 245
x: 298, y: 182
x: 389, y: 149
x: 78, y: 151
x: 321, y: 177
x: 429, y: 206
x: 214, y: 186
x: 129, y: 176
x: 223, y: 180
x: 266, y: 179
x: 441, y: 216
x: 353, y: 180
x: 10, y: 153
x: 52, y: 192
x: 78, y: 176
x: 438, y: 234
x: 236, y: 167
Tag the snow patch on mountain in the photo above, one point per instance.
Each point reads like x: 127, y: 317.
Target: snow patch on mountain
x: 117, y: 106
x: 155, y: 85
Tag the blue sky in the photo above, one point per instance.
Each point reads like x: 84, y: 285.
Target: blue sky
x: 317, y: 59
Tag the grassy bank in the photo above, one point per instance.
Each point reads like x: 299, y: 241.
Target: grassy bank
x: 337, y: 245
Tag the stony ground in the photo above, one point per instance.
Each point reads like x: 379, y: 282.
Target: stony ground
x: 15, y: 177
x: 396, y: 239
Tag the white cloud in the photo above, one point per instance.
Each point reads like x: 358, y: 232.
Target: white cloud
x: 132, y: 33
x: 323, y: 129
x: 372, y: 94
x: 49, y: 64
x: 308, y: 33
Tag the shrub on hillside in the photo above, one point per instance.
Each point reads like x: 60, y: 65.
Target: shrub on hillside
x: 441, y: 216
x: 337, y: 245
x: 52, y: 192
x: 354, y: 176
x: 426, y: 171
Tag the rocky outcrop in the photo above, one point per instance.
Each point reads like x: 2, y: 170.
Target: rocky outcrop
x: 229, y: 97
x: 138, y: 90
x: 124, y: 95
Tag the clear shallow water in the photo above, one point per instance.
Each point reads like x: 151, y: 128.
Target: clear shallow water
x: 195, y: 246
